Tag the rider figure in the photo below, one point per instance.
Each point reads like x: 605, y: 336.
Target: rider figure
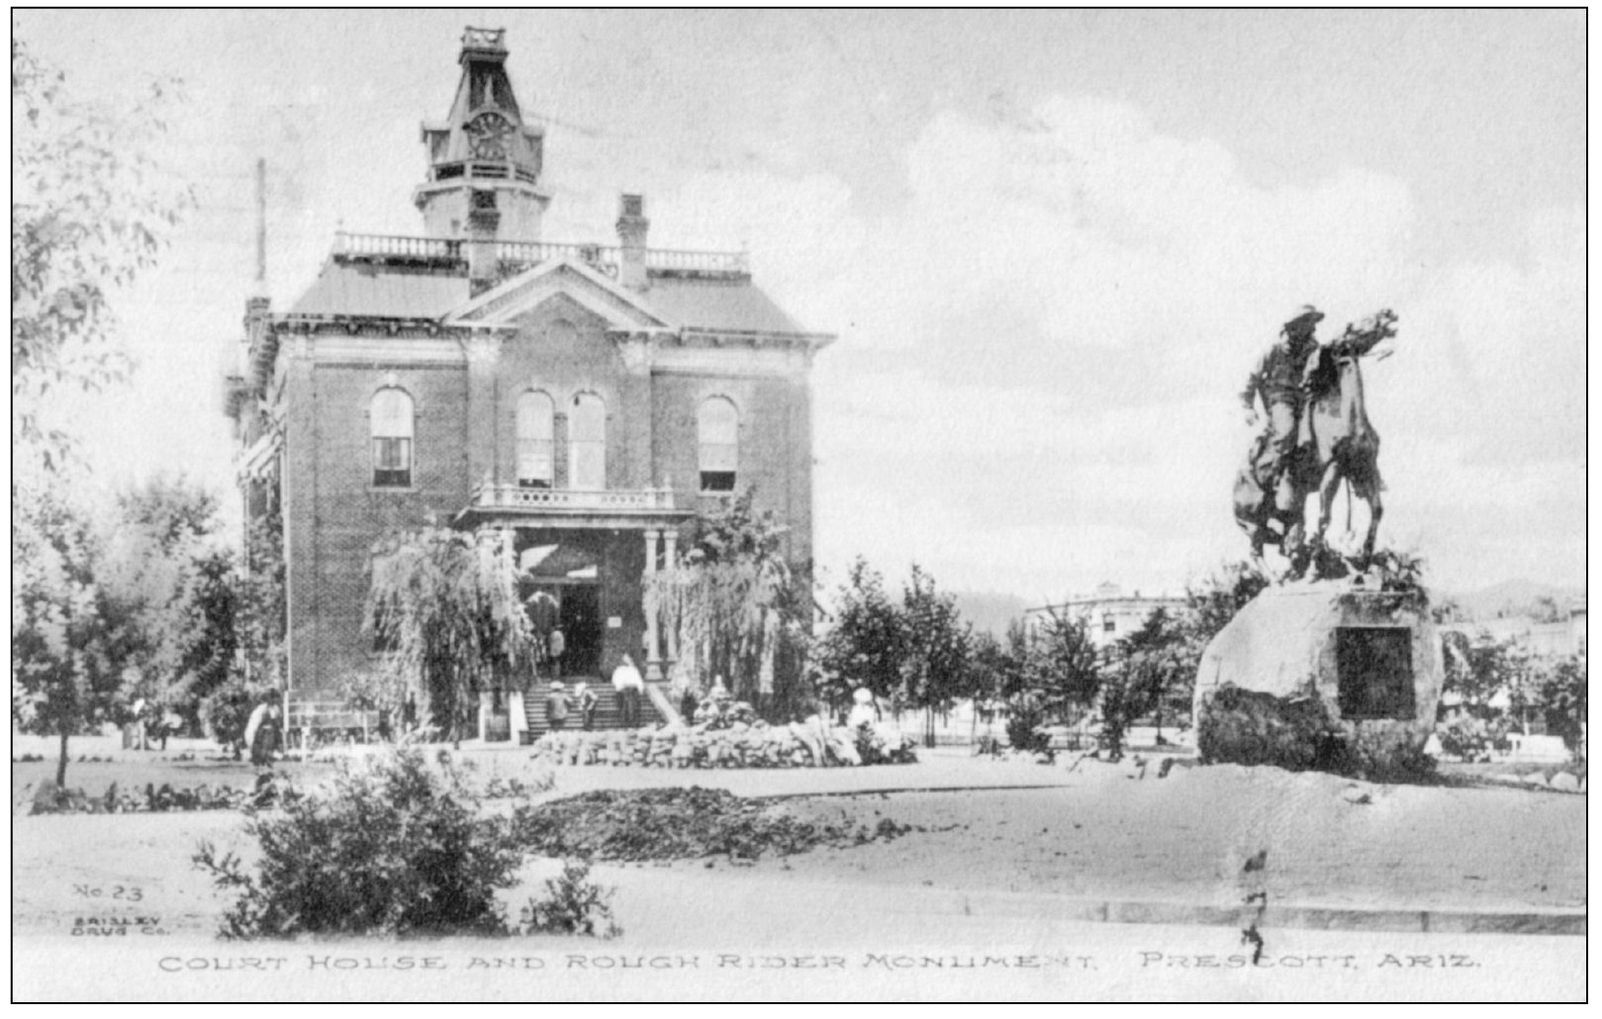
x: 1278, y: 379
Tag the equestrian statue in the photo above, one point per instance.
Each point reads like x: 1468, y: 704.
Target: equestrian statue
x: 1316, y: 435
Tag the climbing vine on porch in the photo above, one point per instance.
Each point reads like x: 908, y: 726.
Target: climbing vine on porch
x: 734, y: 608
x: 444, y: 614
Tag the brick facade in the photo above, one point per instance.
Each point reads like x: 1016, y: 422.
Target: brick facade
x: 464, y: 322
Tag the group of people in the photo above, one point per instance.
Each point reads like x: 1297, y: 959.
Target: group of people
x: 628, y: 684
x: 151, y: 723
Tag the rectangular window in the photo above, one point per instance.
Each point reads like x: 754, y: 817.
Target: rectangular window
x: 1374, y: 668
x: 392, y: 462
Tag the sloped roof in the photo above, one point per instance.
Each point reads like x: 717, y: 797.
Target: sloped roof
x: 715, y: 304
x: 380, y: 291
x: 365, y: 289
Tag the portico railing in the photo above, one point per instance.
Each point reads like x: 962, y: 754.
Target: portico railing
x: 565, y: 500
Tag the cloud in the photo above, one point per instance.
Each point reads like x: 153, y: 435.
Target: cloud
x: 1040, y: 348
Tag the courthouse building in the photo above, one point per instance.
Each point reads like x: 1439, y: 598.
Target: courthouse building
x: 588, y: 399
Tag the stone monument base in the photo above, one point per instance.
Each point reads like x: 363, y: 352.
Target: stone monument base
x: 1322, y: 676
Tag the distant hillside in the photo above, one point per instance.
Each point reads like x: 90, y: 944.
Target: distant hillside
x: 1512, y: 598
x: 989, y: 611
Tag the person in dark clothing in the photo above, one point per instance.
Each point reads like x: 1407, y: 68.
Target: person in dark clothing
x: 556, y: 706
x: 265, y: 740
x: 1277, y: 382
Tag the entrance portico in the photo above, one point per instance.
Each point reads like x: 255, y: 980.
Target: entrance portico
x: 593, y: 554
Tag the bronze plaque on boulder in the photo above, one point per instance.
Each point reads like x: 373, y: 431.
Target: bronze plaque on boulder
x: 1374, y: 669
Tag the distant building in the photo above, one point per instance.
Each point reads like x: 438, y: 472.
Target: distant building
x: 1550, y: 639
x: 1108, y: 613
x: 583, y: 400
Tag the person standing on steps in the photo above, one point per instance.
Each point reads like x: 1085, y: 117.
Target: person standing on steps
x: 556, y: 706
x: 587, y: 700
x: 628, y: 683
x: 556, y: 646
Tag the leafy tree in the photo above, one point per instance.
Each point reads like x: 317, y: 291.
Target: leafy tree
x: 1013, y: 662
x: 1211, y: 604
x: 180, y: 584
x: 255, y: 601
x: 132, y: 603
x: 60, y: 683
x: 865, y: 643
x: 1162, y: 659
x: 89, y: 209
x: 444, y: 604
x: 1064, y: 665
x: 1563, y: 696
x: 936, y: 667
x: 1491, y: 678
x: 992, y: 671
x: 734, y: 606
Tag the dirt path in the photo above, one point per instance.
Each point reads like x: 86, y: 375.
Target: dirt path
x: 1187, y: 838
x: 1183, y: 838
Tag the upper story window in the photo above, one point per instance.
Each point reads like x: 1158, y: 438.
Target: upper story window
x: 536, y: 435
x: 718, y: 434
x: 390, y: 419
x: 1109, y: 623
x: 586, y: 457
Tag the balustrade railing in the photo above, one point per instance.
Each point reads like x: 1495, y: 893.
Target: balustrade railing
x: 393, y: 246
x: 534, y: 252
x: 528, y: 253
x: 697, y: 261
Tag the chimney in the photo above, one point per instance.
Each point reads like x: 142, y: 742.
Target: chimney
x: 483, y: 228
x: 631, y: 229
x: 256, y: 312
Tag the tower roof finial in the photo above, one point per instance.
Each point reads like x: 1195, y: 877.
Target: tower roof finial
x: 483, y: 44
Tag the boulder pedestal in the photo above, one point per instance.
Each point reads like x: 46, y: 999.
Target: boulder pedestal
x: 1322, y: 676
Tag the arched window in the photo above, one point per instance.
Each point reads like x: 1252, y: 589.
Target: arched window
x: 536, y: 457
x: 390, y: 418
x: 718, y: 432
x: 586, y: 443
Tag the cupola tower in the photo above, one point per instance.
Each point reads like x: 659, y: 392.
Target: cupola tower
x: 483, y: 161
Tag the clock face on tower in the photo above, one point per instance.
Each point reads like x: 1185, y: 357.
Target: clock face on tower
x: 489, y: 135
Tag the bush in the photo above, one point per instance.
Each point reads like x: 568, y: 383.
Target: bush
x: 572, y: 905
x: 391, y: 848
x: 1392, y: 756
x: 226, y: 711
x: 165, y: 799
x: 1023, y: 729
x: 1474, y: 739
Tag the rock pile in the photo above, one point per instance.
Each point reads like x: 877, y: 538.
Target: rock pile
x: 741, y: 745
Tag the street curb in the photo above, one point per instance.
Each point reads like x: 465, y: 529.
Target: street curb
x: 1425, y: 921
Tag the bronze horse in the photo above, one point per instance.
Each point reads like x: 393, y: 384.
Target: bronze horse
x: 1337, y: 443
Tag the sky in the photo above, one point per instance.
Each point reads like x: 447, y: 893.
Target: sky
x: 1052, y: 245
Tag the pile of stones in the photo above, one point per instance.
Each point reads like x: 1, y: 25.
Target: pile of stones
x: 741, y: 745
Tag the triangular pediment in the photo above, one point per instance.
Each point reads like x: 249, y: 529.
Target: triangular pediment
x: 510, y: 300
